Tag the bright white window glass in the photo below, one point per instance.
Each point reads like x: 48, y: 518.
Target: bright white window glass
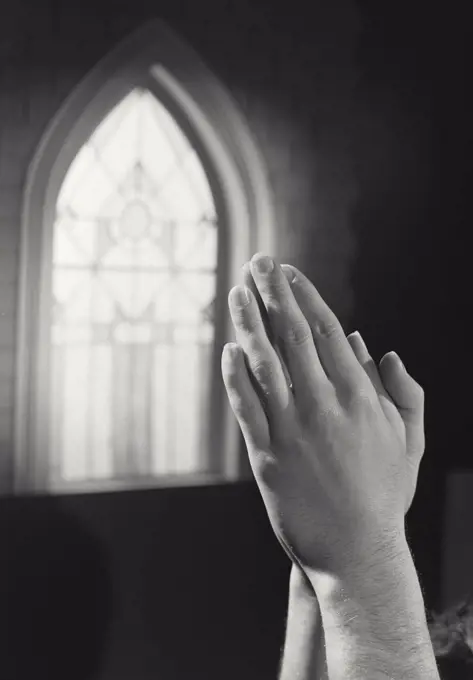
x: 134, y: 281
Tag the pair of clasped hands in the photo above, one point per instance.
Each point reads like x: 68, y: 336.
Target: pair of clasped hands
x: 335, y: 444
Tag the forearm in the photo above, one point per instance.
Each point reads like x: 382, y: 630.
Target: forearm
x: 304, y: 652
x: 374, y: 621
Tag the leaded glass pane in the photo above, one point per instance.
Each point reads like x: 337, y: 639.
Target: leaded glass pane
x: 134, y: 262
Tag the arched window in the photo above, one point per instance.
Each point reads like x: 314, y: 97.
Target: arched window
x: 145, y: 197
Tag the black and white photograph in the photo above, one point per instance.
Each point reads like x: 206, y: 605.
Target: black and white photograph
x: 235, y: 365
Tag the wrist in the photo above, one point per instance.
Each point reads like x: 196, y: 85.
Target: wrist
x: 304, y: 651
x: 359, y: 576
x: 300, y: 587
x: 375, y: 617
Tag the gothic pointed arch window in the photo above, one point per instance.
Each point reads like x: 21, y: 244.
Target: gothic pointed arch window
x: 145, y: 197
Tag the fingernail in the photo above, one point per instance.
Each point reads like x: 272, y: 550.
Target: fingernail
x: 264, y: 264
x: 240, y: 296
x: 360, y: 338
x: 399, y: 360
x: 230, y: 350
x: 288, y: 272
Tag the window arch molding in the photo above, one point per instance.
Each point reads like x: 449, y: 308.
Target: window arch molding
x: 153, y: 57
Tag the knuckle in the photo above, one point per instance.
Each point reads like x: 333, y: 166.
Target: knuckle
x: 262, y: 370
x: 239, y: 316
x: 365, y: 398
x: 298, y: 333
x: 251, y: 329
x: 267, y: 470
x: 328, y: 328
x: 276, y: 289
x: 321, y: 404
x: 245, y: 319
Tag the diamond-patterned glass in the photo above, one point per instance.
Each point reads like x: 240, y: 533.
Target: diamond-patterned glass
x: 134, y: 276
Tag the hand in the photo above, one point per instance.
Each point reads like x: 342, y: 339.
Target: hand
x: 330, y: 459
x: 395, y: 386
x: 390, y: 379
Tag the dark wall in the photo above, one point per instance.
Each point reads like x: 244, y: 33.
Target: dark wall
x: 411, y: 277
x: 360, y: 112
x: 181, y: 583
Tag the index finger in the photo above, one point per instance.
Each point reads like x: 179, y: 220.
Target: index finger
x: 250, y: 283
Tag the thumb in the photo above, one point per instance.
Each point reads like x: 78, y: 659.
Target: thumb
x: 408, y: 396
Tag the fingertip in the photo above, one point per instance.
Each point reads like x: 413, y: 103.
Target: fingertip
x: 393, y: 371
x: 289, y: 272
x: 395, y: 359
x: 357, y: 338
x: 354, y: 343
x: 359, y: 347
x: 230, y: 355
x: 406, y: 392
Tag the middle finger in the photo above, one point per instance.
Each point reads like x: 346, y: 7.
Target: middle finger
x: 290, y: 327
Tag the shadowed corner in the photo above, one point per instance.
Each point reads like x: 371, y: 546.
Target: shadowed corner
x: 55, y: 593
x: 452, y: 640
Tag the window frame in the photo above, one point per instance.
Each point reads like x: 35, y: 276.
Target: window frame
x: 155, y: 58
